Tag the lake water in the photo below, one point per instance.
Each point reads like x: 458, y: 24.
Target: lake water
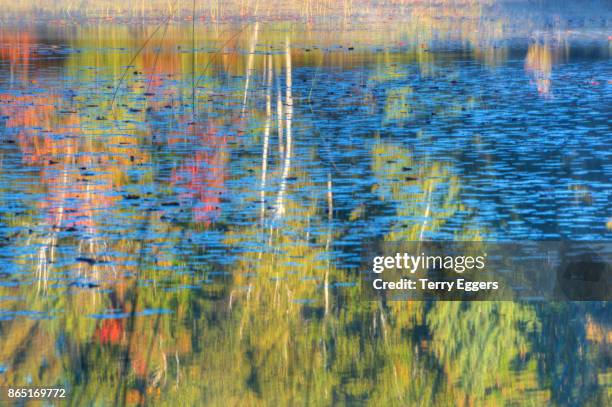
x: 182, y: 227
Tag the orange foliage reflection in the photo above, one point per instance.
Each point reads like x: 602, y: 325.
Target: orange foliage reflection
x: 538, y: 64
x: 17, y: 47
x: 110, y: 331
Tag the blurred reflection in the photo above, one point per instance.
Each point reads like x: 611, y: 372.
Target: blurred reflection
x: 538, y: 63
x: 160, y: 251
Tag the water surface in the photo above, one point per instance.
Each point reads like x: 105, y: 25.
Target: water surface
x: 181, y: 226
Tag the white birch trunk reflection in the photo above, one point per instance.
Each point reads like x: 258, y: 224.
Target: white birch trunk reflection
x: 250, y: 63
x: 280, y: 203
x: 264, y: 157
x: 279, y: 117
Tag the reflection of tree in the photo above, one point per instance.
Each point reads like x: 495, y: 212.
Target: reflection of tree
x: 481, y: 346
x: 476, y: 345
x: 202, y: 176
x: 63, y: 158
x: 287, y: 150
x: 565, y: 337
x: 538, y: 63
x: 426, y: 191
x: 17, y: 47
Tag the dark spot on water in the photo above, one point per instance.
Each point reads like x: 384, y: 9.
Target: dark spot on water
x: 87, y: 260
x: 83, y: 284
